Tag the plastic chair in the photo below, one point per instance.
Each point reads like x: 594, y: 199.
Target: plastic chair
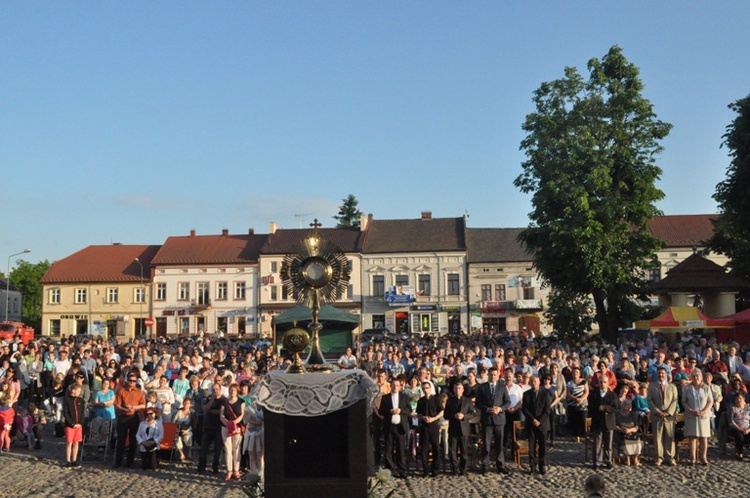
x: 169, y: 442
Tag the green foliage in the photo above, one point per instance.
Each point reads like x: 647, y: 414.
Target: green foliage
x: 570, y: 313
x: 25, y: 276
x: 349, y: 214
x: 591, y: 148
x: 732, y: 227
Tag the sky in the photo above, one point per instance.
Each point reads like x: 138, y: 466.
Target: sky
x: 134, y: 121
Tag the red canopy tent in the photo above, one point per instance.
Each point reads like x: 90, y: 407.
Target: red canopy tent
x: 687, y: 317
x: 741, y: 330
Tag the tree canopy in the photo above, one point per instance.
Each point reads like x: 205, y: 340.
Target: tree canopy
x: 591, y: 169
x: 25, y: 276
x: 349, y: 214
x: 732, y: 227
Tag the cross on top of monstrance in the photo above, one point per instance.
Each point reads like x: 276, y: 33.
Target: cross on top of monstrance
x: 316, y: 273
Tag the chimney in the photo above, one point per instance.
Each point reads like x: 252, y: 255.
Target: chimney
x: 426, y: 215
x: 272, y: 227
x: 250, y: 231
x: 224, y: 232
x: 363, y: 220
x: 192, y: 233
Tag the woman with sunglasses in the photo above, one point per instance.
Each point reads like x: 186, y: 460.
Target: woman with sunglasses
x: 149, y: 436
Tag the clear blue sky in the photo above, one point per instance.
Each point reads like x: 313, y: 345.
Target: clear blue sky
x: 133, y: 121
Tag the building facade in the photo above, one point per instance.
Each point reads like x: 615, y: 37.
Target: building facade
x: 273, y: 298
x: 414, y: 275
x: 100, y: 290
x: 207, y: 284
x: 11, y: 301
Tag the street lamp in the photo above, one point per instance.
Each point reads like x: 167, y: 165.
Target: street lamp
x: 140, y: 297
x: 7, y: 281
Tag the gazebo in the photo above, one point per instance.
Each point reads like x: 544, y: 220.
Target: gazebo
x: 698, y: 276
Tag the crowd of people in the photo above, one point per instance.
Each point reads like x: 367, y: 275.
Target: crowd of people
x: 439, y: 398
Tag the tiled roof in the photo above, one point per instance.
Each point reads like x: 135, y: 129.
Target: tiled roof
x: 283, y: 241
x: 697, y: 273
x: 485, y: 245
x: 210, y: 249
x: 113, y: 263
x: 4, y: 285
x: 684, y: 230
x: 419, y: 235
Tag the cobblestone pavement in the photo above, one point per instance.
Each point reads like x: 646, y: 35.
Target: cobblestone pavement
x: 39, y: 473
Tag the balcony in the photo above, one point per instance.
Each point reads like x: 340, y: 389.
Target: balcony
x: 527, y: 304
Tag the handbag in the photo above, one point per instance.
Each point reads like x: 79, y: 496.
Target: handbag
x: 232, y: 426
x: 149, y: 444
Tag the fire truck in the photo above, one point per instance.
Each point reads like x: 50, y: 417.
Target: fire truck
x: 9, y: 330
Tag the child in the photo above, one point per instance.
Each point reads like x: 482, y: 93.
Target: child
x: 640, y: 404
x: 24, y: 423
x: 7, y: 416
x: 73, y: 411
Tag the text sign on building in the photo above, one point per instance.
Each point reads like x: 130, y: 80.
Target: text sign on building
x: 400, y: 295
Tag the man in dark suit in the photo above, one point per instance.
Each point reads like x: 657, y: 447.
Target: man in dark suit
x: 458, y: 411
x: 492, y: 401
x: 430, y: 412
x: 395, y: 410
x: 536, y: 410
x: 603, y: 406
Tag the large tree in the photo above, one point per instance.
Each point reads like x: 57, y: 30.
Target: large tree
x: 591, y: 148
x: 349, y: 214
x: 732, y: 227
x: 25, y: 276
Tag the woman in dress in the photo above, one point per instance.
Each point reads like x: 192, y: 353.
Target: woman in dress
x: 627, y: 433
x: 697, y: 401
x: 186, y: 422
x: 739, y: 425
x: 253, y: 442
x: 578, y: 405
x: 231, y: 418
x: 7, y: 416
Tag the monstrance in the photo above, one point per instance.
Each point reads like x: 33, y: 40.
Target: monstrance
x: 315, y: 273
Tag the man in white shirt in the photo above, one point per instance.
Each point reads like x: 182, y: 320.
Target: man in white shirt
x: 62, y: 364
x: 347, y: 360
x: 515, y: 393
x: 733, y: 361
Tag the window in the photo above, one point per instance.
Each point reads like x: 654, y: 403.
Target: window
x: 528, y: 293
x: 378, y: 285
x: 274, y: 266
x: 184, y: 293
x: 350, y: 292
x: 378, y: 321
x: 274, y: 293
x: 80, y: 296
x: 161, y: 291
x: 453, y: 284
x: 424, y: 285
x: 54, y: 327
x: 139, y: 296
x: 54, y: 296
x: 424, y: 322
x: 350, y: 265
x: 284, y: 293
x: 500, y: 292
x: 239, y: 290
x: 654, y: 275
x: 486, y: 292
x: 402, y: 280
x: 203, y: 295
x: 221, y: 290
x: 113, y: 294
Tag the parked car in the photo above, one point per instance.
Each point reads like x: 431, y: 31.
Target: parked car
x: 375, y: 335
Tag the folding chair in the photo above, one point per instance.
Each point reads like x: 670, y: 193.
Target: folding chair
x: 169, y: 442
x: 520, y: 444
x: 99, y: 435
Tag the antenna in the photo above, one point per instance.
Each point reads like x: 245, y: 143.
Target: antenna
x: 302, y: 218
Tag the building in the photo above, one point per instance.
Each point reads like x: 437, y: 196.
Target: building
x: 273, y: 298
x: 100, y: 290
x: 11, y: 301
x: 205, y: 284
x: 414, y: 275
x: 504, y: 291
